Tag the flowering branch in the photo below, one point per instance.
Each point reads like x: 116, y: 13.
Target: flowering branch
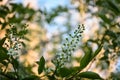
x: 71, y: 44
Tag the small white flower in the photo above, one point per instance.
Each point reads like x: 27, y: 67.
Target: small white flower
x: 10, y: 51
x: 18, y: 45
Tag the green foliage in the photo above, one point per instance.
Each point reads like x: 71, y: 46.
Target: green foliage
x: 85, y: 60
x: 3, y: 54
x: 66, y: 72
x: 19, y: 14
x: 108, y: 12
x: 9, y: 51
x: 10, y: 45
x: 2, y: 41
x: 41, y: 64
x: 55, y: 12
x: 14, y: 35
x: 90, y: 75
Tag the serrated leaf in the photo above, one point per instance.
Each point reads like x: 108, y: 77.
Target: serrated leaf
x: 41, y: 64
x: 90, y: 75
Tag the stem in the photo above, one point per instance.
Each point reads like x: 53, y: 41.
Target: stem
x: 16, y: 73
x: 57, y: 67
x: 55, y: 71
x: 70, y: 78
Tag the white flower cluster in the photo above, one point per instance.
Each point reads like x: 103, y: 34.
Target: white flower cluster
x: 13, y: 42
x: 69, y: 47
x: 15, y: 46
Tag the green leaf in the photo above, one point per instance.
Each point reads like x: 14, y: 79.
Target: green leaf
x: 104, y: 18
x: 113, y: 6
x: 111, y: 34
x: 65, y: 72
x: 85, y: 60
x: 5, y: 63
x: 3, y: 54
x: 2, y: 41
x: 41, y: 64
x: 90, y: 75
x: 3, y: 25
x: 11, y: 75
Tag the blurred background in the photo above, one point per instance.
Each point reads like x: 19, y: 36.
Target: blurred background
x: 50, y: 22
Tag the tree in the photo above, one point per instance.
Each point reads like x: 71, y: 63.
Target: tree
x: 106, y: 39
